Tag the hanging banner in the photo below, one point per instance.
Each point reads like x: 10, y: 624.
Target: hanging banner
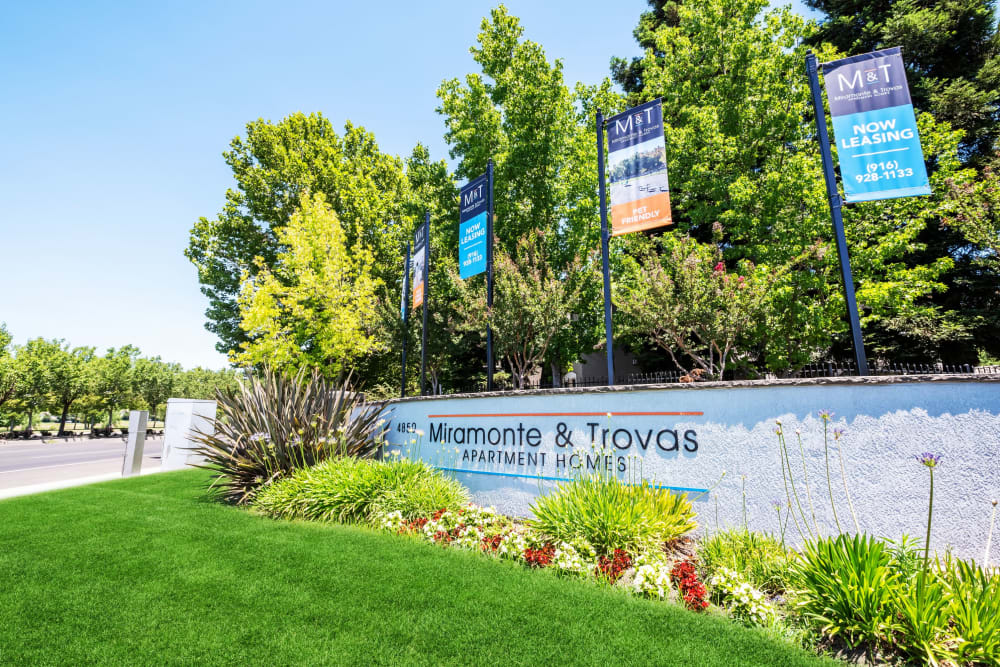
x: 874, y: 127
x: 419, y: 257
x: 637, y: 170
x: 472, y: 227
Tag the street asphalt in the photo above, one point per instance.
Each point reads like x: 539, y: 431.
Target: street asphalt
x: 31, y: 463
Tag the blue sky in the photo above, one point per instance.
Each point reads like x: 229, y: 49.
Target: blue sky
x: 116, y: 115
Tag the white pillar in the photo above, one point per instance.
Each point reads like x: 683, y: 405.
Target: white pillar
x: 136, y: 442
x: 185, y: 418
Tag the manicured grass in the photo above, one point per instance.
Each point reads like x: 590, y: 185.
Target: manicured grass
x: 149, y: 571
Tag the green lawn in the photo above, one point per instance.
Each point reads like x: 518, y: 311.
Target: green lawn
x: 148, y: 571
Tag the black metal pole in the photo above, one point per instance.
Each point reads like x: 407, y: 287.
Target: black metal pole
x: 835, y: 213
x: 427, y: 292
x: 489, y: 273
x: 605, y: 242
x: 406, y: 308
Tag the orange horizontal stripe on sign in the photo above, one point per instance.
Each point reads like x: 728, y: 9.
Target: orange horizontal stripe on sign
x: 645, y: 213
x: 572, y: 414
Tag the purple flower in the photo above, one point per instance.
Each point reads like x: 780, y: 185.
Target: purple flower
x: 928, y: 459
x: 777, y: 504
x: 825, y: 415
x: 838, y: 433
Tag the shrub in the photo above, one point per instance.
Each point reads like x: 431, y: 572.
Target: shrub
x: 973, y: 595
x: 743, y: 602
x: 354, y: 490
x: 849, y: 587
x: 275, y: 424
x: 759, y: 559
x: 610, y: 514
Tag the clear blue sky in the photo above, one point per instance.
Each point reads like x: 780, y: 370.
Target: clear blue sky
x: 116, y: 115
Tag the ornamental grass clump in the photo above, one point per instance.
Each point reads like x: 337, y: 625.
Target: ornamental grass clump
x: 761, y: 559
x: 609, y: 514
x: 847, y: 585
x: 274, y: 424
x: 353, y: 490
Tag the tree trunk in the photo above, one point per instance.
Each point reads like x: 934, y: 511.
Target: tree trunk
x: 62, y: 419
x: 31, y: 416
x: 110, y: 412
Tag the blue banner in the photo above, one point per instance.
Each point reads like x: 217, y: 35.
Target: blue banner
x: 874, y: 127
x: 473, y: 228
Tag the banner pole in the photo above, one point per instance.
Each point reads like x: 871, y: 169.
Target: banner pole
x: 406, y: 308
x: 605, y: 242
x: 427, y: 300
x: 489, y: 273
x: 835, y: 213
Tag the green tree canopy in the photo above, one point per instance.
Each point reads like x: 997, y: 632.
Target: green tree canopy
x: 315, y: 305
x: 951, y: 50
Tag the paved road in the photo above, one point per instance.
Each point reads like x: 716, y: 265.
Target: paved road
x: 30, y: 463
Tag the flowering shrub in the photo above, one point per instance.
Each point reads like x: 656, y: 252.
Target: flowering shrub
x: 491, y: 543
x: 540, y: 557
x: 512, y: 545
x: 693, y: 592
x: 391, y: 521
x: 568, y: 559
x: 743, y: 601
x: 612, y: 567
x: 652, y: 580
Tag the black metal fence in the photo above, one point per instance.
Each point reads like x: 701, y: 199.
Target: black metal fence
x: 815, y: 370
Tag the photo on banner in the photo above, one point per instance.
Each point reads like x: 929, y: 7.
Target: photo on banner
x: 473, y: 228
x: 637, y: 170
x: 874, y: 127
x: 419, y: 257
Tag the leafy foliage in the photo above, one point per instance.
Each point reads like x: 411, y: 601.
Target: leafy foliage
x: 351, y: 490
x: 761, y: 559
x: 610, y: 514
x: 847, y: 585
x: 534, y: 302
x: 313, y: 305
x: 974, y: 607
x: 685, y: 302
x: 274, y: 424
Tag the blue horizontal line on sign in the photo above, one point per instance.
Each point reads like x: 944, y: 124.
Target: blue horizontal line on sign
x: 558, y: 479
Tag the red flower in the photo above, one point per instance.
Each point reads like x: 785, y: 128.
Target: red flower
x: 720, y: 267
x: 613, y: 566
x: 540, y: 557
x: 492, y: 543
x: 685, y: 577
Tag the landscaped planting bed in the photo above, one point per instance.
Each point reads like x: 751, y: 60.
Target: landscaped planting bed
x: 149, y: 571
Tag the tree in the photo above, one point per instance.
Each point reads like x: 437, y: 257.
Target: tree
x: 155, y: 382
x: 115, y: 379
x: 10, y: 371
x: 533, y: 302
x: 518, y: 111
x: 745, y: 174
x: 34, y: 359
x: 315, y: 304
x: 628, y: 73
x: 71, y: 376
x: 951, y: 50
x: 274, y: 165
x: 685, y: 301
x: 202, y: 383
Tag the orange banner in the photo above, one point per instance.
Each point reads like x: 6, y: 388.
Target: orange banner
x: 645, y: 213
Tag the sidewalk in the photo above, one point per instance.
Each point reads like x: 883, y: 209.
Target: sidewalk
x: 67, y: 483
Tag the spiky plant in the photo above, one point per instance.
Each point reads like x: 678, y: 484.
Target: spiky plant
x: 274, y: 423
